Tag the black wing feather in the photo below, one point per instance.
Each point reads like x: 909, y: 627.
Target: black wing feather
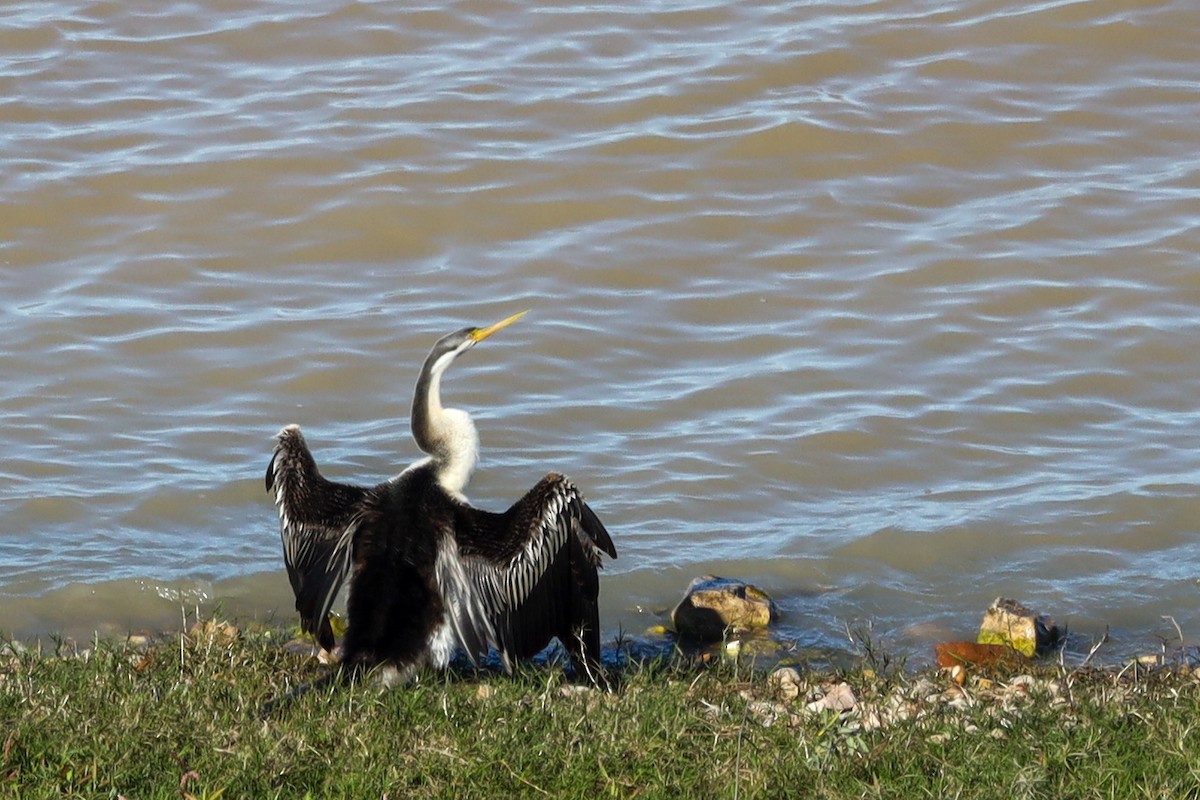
x: 314, y: 517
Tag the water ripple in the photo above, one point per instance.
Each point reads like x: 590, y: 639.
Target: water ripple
x: 888, y: 307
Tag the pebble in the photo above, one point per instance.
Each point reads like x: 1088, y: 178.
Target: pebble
x: 221, y: 633
x: 787, y: 683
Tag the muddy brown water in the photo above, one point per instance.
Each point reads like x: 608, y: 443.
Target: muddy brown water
x: 888, y: 307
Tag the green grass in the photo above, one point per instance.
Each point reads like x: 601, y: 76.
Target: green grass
x: 182, y: 720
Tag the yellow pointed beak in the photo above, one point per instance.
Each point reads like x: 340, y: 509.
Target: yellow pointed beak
x: 479, y: 334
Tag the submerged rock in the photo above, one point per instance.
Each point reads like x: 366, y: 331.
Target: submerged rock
x: 713, y: 606
x: 753, y: 647
x: 972, y: 654
x: 1009, y: 623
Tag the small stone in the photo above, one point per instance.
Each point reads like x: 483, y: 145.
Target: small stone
x: 752, y: 649
x: 786, y: 683
x: 871, y: 720
x: 769, y: 713
x: 1009, y: 623
x: 12, y: 648
x: 221, y: 633
x: 838, y: 698
x: 841, y: 698
x: 140, y: 640
x: 714, y: 606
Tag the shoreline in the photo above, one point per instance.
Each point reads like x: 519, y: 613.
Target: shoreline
x: 80, y: 612
x: 766, y: 647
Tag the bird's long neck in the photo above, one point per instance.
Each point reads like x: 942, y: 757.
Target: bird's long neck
x: 447, y: 434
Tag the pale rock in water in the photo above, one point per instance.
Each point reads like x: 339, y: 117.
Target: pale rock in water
x: 1009, y: 623
x: 714, y: 606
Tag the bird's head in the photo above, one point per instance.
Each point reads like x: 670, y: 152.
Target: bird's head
x: 452, y: 345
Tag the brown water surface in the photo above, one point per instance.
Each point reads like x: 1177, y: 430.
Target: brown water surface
x: 890, y: 307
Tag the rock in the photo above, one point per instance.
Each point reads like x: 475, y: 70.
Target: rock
x: 970, y: 654
x: 140, y: 640
x: 1009, y: 623
x: 12, y: 648
x: 753, y: 648
x: 838, y: 697
x: 958, y: 673
x: 713, y: 606
x: 213, y: 632
x: 786, y: 682
x: 768, y: 713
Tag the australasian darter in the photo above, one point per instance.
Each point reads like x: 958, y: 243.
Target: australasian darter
x: 428, y: 572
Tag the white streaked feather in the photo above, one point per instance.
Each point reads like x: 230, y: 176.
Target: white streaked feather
x: 466, y: 622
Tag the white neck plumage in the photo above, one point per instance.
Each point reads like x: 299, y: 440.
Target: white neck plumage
x: 448, y: 435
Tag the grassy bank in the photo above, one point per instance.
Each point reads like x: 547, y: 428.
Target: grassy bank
x: 182, y: 720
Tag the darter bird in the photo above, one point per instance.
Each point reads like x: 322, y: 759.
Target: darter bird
x: 428, y: 572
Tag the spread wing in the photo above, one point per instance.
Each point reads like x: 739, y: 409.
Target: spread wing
x: 534, y: 568
x: 314, y: 518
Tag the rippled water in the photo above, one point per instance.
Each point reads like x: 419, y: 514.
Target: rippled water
x: 889, y: 307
